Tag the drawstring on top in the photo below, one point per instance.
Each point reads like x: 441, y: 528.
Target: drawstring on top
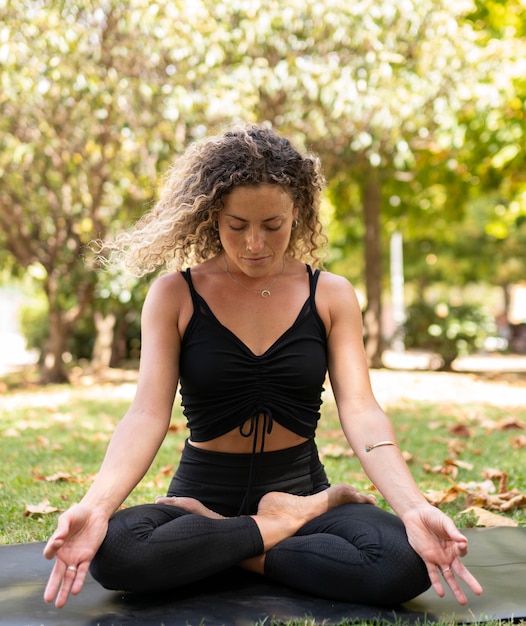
x: 253, y: 431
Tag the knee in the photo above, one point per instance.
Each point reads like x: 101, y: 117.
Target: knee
x: 109, y: 567
x: 115, y: 563
x: 403, y: 577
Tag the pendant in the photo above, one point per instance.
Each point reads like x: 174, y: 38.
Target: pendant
x: 265, y: 293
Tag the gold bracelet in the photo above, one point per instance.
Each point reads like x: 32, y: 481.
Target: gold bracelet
x: 380, y: 443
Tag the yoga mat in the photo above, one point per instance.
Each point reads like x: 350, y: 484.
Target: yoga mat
x: 497, y: 558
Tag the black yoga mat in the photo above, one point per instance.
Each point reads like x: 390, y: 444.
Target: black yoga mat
x: 497, y: 558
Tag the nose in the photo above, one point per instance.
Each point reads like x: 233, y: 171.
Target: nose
x: 255, y: 240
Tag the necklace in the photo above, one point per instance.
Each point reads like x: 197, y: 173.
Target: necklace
x: 264, y: 293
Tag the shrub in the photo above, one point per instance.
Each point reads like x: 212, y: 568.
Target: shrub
x: 447, y: 330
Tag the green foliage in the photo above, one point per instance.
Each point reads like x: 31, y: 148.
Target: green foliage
x: 96, y: 100
x: 34, y: 322
x: 447, y: 330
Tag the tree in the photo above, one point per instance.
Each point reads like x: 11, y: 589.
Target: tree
x: 96, y: 97
x: 87, y: 112
x: 368, y: 84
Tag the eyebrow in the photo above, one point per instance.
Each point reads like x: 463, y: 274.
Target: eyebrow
x: 269, y: 219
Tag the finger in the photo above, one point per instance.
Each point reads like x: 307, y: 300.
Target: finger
x: 54, y: 581
x: 80, y: 578
x: 369, y: 499
x: 449, y: 577
x: 55, y: 542
x: 365, y: 498
x: 57, y: 539
x: 461, y: 546
x: 67, y: 583
x: 436, y: 583
x: 461, y: 542
x: 164, y: 499
x: 467, y: 577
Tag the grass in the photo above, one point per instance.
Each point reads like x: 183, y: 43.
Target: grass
x: 52, y: 441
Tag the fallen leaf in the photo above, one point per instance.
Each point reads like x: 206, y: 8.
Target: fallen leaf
x: 43, y: 442
x: 519, y: 442
x: 437, y: 497
x: 486, y: 486
x: 485, y: 518
x: 497, y: 475
x: 43, y: 508
x: 462, y: 464
x: 176, y: 428
x: 500, y: 502
x: 334, y: 450
x: 510, y: 423
x: 460, y: 430
x: 167, y: 469
x: 10, y: 432
x: 455, y: 447
x: 62, y: 476
x: 514, y: 502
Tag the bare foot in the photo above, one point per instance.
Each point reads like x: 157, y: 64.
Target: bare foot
x: 305, y: 508
x: 280, y: 515
x: 189, y: 504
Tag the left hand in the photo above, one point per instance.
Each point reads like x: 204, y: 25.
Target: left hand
x: 440, y: 544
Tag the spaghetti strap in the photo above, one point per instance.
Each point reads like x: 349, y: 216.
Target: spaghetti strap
x: 186, y: 274
x: 313, y: 282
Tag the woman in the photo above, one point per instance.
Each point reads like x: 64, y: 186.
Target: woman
x: 250, y: 332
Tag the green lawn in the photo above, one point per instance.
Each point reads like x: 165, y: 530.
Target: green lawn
x: 53, y: 440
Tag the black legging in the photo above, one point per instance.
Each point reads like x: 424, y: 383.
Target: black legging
x: 356, y: 552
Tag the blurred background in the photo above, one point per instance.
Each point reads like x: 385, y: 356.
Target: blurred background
x: 417, y: 109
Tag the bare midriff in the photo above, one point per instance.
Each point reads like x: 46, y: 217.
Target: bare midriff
x: 234, y: 442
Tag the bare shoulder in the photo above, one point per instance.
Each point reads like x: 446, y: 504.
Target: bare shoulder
x: 168, y: 297
x: 336, y: 292
x: 169, y: 284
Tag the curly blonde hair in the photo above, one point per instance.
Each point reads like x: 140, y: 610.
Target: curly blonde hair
x: 181, y: 229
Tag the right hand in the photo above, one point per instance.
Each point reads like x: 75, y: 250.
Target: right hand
x: 80, y: 532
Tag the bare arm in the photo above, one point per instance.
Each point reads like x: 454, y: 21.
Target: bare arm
x: 138, y: 436
x: 133, y: 446
x: 431, y: 533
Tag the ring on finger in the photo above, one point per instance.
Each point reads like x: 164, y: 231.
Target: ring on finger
x: 71, y: 568
x: 446, y: 569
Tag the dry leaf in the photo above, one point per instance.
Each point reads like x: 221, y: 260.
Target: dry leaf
x: 486, y: 486
x: 455, y: 447
x: 514, y: 502
x: 334, y: 450
x: 43, y: 442
x: 44, y: 508
x: 62, y: 476
x: 485, y: 518
x: 10, y: 432
x: 407, y: 456
x: 500, y: 502
x: 176, y: 428
x: 167, y: 469
x: 462, y: 464
x: 497, y: 475
x: 519, y: 442
x: 510, y: 423
x: 437, y: 497
x: 460, y: 430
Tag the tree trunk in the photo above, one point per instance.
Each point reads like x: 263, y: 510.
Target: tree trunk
x: 119, y: 348
x: 52, y: 369
x: 371, y: 199
x: 102, y: 350
x: 61, y: 323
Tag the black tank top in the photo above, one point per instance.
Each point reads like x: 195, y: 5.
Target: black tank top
x: 224, y: 384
